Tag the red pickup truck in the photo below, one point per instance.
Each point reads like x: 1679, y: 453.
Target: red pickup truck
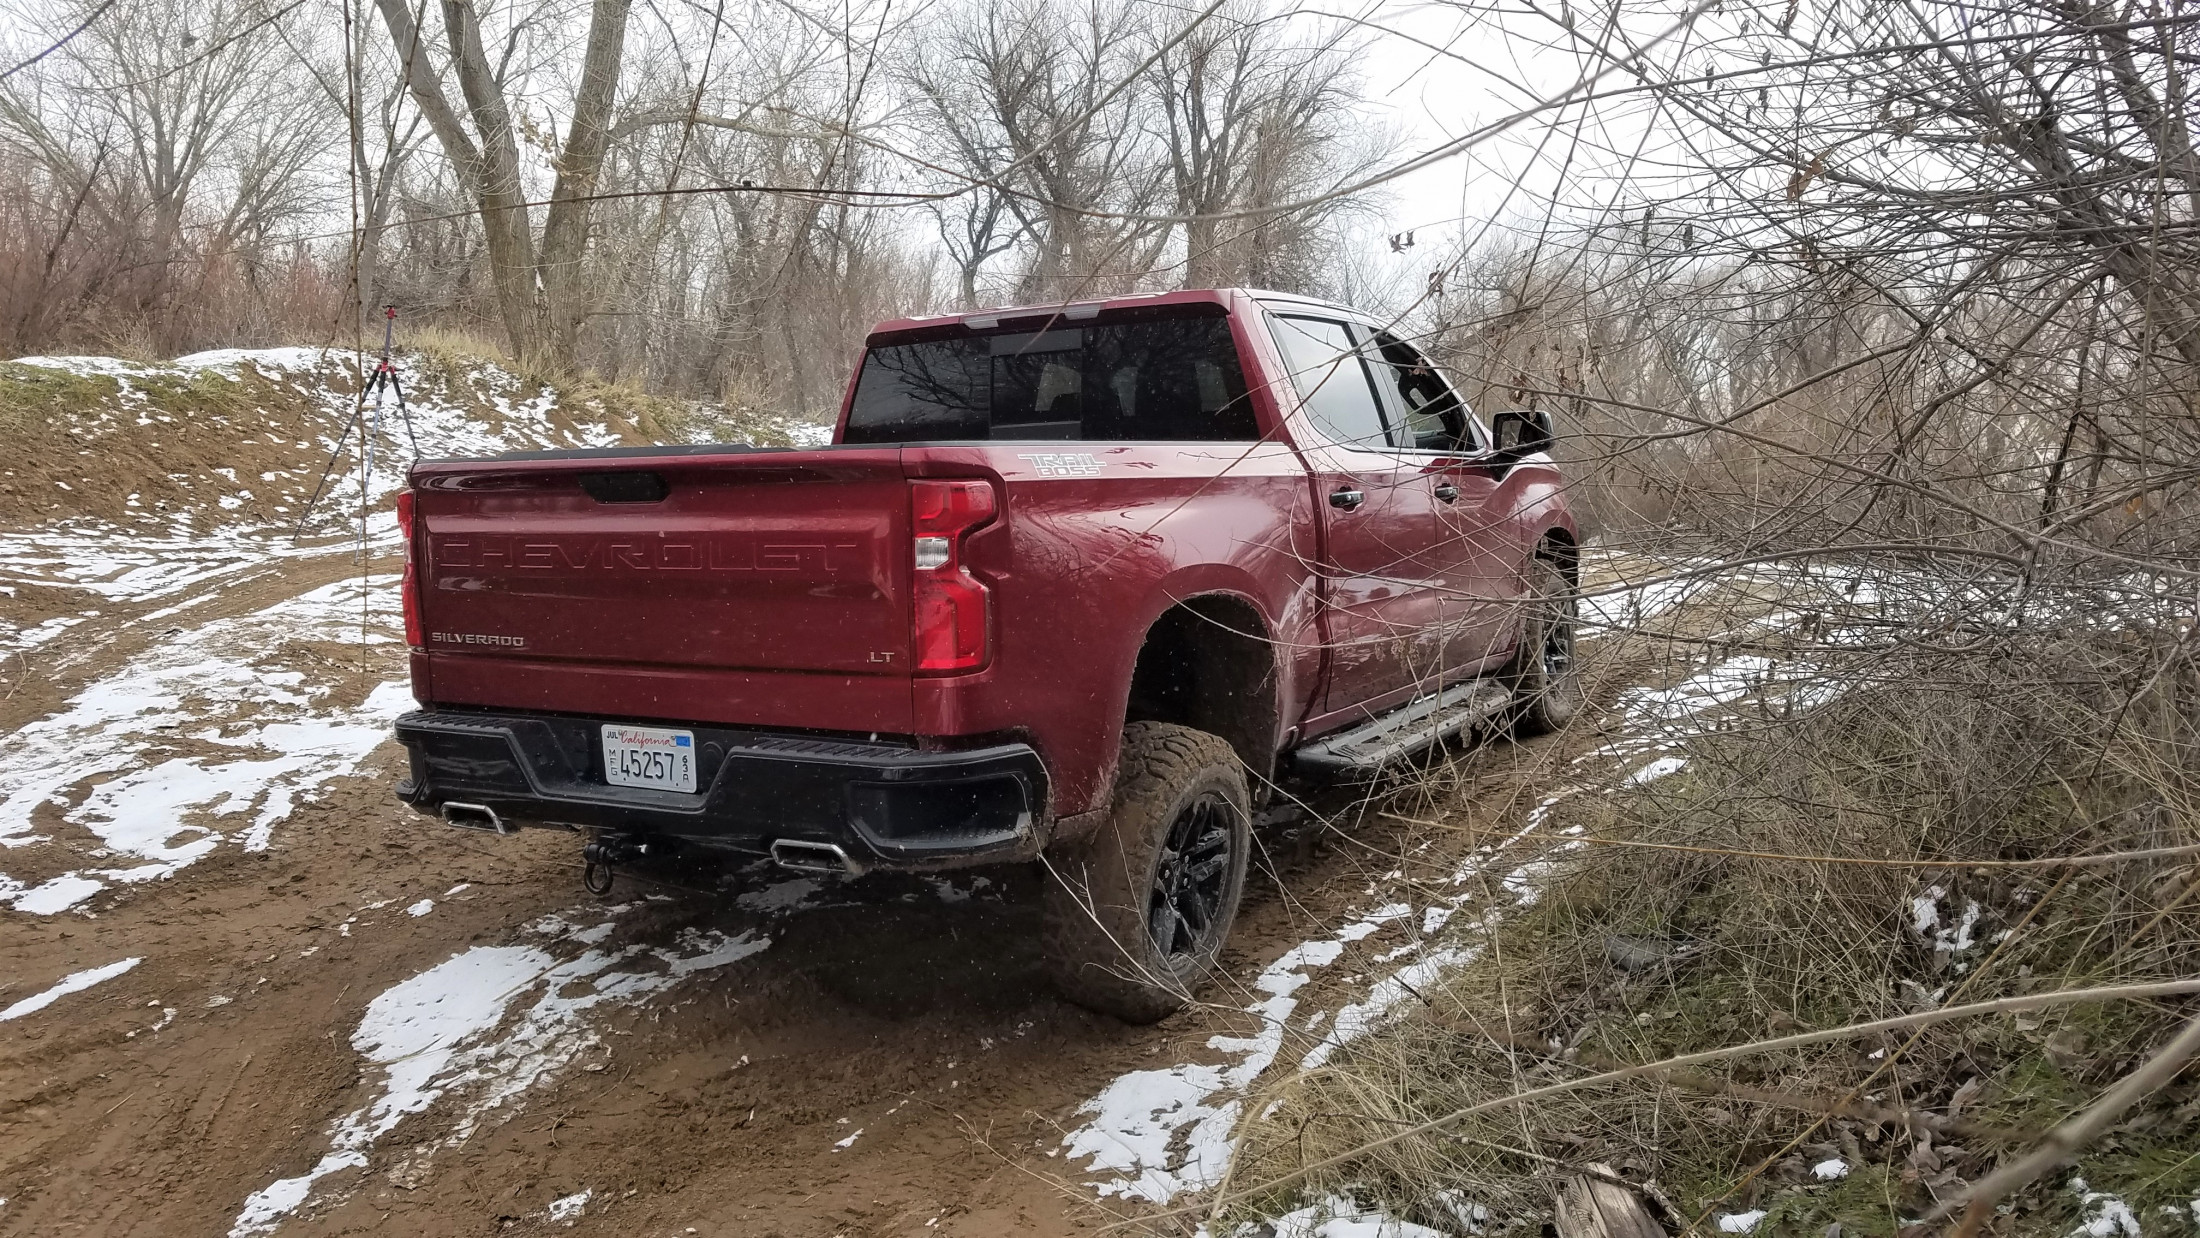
x: 1076, y: 583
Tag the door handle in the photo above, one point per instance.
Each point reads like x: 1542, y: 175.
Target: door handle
x: 1346, y: 499
x: 1447, y: 492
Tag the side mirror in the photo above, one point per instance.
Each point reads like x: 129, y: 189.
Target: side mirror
x: 1521, y: 432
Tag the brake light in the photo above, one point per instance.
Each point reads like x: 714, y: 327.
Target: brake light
x: 949, y: 623
x: 409, y: 588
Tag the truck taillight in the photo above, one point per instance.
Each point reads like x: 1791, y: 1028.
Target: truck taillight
x: 409, y: 588
x: 949, y: 623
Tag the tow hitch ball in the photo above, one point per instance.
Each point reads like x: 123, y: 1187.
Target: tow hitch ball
x: 599, y: 858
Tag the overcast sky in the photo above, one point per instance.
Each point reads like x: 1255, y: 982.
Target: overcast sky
x: 1434, y: 73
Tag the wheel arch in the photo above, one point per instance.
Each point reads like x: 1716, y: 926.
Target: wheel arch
x: 1558, y: 544
x: 1208, y: 662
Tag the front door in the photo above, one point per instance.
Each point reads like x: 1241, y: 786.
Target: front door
x: 1478, y: 590
x: 1382, y: 609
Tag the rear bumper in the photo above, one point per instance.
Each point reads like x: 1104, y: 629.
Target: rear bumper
x: 885, y: 806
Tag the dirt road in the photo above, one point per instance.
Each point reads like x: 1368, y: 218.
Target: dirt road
x: 242, y: 991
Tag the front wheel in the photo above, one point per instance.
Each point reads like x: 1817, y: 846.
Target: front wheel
x: 1546, y: 680
x: 1137, y: 913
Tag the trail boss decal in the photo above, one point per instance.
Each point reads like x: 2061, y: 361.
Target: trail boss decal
x: 1062, y: 463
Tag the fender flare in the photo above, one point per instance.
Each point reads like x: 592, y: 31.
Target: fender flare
x: 1188, y: 584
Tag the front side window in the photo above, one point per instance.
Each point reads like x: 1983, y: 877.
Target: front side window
x: 1425, y: 413
x: 1168, y: 379
x: 1326, y: 370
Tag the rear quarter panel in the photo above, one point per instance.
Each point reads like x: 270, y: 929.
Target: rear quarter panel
x: 1098, y: 540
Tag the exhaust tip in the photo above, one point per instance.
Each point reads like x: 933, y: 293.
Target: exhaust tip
x: 474, y: 817
x: 799, y: 856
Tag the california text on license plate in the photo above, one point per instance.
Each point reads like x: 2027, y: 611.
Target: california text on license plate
x: 640, y: 756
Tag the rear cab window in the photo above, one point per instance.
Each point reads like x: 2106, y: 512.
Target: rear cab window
x: 1170, y: 376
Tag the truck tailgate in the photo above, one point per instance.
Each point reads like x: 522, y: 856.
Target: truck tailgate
x: 783, y: 562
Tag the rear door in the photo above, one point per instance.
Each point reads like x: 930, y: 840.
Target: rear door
x: 783, y: 562
x: 1381, y: 597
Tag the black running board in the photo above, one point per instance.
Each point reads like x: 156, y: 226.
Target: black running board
x: 1408, y: 729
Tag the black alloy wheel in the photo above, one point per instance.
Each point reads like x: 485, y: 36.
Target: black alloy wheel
x: 1558, y: 642
x: 1185, y: 906
x: 1545, y: 674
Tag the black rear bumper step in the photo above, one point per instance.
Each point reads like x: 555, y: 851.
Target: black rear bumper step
x: 1408, y: 729
x: 894, y: 806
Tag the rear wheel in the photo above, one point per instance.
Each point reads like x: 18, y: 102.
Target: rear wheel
x: 1546, y: 680
x: 1137, y: 913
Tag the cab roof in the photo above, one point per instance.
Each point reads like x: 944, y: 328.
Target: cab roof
x: 988, y: 319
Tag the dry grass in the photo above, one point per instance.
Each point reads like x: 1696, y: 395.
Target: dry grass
x: 451, y: 354
x: 1632, y: 955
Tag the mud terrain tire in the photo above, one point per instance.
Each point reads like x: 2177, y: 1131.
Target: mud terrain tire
x: 1170, y: 859
x: 1545, y: 676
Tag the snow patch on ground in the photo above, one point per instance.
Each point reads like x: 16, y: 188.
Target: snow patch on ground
x: 1139, y: 1115
x: 89, y: 367
x: 482, y: 1027
x: 120, y: 564
x: 74, y: 982
x: 154, y: 814
x: 568, y: 1210
x: 2105, y: 1216
x: 1335, y: 1218
x: 16, y: 639
x: 1629, y: 602
x: 1359, y: 1018
x: 1931, y: 924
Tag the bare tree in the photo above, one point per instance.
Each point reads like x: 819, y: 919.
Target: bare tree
x: 1252, y: 115
x: 182, y: 131
x: 1026, y: 97
x: 1050, y: 140
x: 541, y: 294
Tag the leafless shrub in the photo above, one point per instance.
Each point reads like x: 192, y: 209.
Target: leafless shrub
x: 1875, y: 834
x: 1902, y: 340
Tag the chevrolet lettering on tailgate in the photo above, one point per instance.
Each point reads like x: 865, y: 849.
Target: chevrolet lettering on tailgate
x: 583, y: 554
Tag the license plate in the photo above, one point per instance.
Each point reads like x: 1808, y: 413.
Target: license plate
x: 640, y: 756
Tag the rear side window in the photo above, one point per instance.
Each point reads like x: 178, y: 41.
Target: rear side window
x: 1327, y: 372
x: 1157, y: 380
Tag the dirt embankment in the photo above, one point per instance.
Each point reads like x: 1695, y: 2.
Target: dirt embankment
x: 241, y: 436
